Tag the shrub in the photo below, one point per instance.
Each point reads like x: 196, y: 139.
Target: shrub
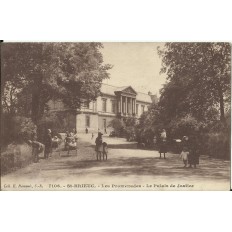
x: 15, y: 156
x: 56, y: 121
x: 187, y: 125
x: 24, y: 128
x: 130, y: 133
x: 17, y: 129
x: 118, y: 127
x: 218, y: 145
x: 217, y: 139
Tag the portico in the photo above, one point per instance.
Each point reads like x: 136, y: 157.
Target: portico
x: 126, y: 99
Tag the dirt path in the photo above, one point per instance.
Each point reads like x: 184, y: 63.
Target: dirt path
x: 127, y: 168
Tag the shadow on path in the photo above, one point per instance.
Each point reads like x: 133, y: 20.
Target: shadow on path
x: 170, y: 167
x: 120, y: 146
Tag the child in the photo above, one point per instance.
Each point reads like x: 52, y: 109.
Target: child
x: 105, y: 150
x: 184, y: 156
x: 55, y: 142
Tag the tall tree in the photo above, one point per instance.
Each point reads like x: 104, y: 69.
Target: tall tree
x: 202, y: 73
x: 42, y: 71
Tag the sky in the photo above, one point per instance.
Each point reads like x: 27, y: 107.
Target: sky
x: 134, y: 64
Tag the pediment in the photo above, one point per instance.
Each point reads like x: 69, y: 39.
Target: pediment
x: 129, y: 90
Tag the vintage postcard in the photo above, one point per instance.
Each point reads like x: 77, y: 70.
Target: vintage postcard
x: 115, y: 116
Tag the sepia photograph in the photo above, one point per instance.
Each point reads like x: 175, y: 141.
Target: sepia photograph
x: 115, y: 116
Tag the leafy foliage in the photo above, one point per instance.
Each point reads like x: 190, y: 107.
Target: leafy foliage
x: 199, y: 78
x: 118, y: 126
x: 187, y: 125
x: 17, y: 128
x: 195, y: 100
x: 35, y: 73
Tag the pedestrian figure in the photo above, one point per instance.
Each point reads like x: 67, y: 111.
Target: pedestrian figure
x: 92, y: 136
x: 105, y: 131
x: 184, y: 156
x: 75, y: 136
x: 67, y: 134
x: 37, y: 148
x: 86, y: 130
x: 99, y: 147
x: 67, y: 141
x: 48, y: 144
x: 55, y: 142
x: 163, y: 143
x: 193, y: 154
x: 105, y: 150
x: 71, y: 134
x: 72, y: 145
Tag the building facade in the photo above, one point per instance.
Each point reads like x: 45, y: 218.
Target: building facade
x: 114, y: 102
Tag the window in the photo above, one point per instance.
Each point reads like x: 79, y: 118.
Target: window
x: 104, y: 124
x: 104, y: 105
x: 113, y: 110
x: 137, y: 109
x: 87, y: 121
x: 86, y: 105
x: 94, y: 106
x: 143, y: 108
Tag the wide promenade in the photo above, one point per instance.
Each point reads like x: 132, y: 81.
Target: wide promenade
x: 127, y: 168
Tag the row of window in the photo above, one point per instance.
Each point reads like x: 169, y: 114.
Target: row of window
x: 59, y: 105
x: 114, y: 106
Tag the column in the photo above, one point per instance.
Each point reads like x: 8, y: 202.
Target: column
x: 119, y: 105
x: 132, y: 105
x: 135, y: 105
x: 126, y: 106
x: 121, y: 110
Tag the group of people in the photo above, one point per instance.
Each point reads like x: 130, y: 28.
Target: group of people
x: 70, y: 140
x: 189, y: 154
x: 70, y: 143
x: 101, y: 148
x: 49, y: 142
x: 40, y: 148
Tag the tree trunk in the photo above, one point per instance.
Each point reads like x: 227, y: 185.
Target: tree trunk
x: 35, y: 104
x: 221, y: 103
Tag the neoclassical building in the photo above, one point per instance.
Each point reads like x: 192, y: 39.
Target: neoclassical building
x: 114, y: 102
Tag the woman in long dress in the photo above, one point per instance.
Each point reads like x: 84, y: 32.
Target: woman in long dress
x: 163, y: 143
x: 99, y: 146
